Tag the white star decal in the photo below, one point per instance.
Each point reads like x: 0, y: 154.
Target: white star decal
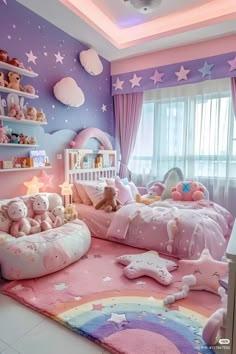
x: 116, y: 318
x: 9, y: 37
x: 107, y: 279
x: 31, y: 57
x: 104, y: 108
x: 182, y: 74
x: 135, y: 81
x: 118, y: 84
x: 59, y: 58
x: 157, y: 77
x: 61, y: 286
x: 46, y: 54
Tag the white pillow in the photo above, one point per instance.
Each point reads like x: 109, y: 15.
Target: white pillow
x: 134, y: 189
x: 171, y: 182
x: 94, y: 190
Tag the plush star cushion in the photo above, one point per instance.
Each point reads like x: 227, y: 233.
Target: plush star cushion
x: 149, y: 264
x: 206, y: 271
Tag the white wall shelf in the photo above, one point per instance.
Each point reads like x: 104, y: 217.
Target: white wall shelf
x: 18, y: 145
x: 21, y: 121
x: 15, y: 69
x: 23, y: 169
x: 19, y: 93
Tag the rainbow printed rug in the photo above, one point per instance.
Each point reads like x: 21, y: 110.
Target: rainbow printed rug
x: 121, y: 315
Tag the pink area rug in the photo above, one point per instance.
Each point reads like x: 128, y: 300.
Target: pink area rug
x: 93, y: 298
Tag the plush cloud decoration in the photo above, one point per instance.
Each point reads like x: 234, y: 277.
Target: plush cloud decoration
x: 91, y: 62
x: 68, y: 92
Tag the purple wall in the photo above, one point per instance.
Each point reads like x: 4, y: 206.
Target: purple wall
x: 23, y: 31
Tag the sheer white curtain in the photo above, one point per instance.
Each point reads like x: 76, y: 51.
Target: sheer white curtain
x: 191, y: 127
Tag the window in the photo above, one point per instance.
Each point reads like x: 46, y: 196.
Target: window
x: 191, y: 127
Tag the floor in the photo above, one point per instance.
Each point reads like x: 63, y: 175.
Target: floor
x: 23, y: 331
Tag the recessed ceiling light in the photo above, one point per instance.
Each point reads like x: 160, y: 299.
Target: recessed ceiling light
x: 144, y: 6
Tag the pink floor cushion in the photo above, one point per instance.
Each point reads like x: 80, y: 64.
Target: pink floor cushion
x: 43, y: 253
x: 149, y: 264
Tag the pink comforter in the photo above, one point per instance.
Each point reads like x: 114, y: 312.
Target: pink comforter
x: 198, y: 225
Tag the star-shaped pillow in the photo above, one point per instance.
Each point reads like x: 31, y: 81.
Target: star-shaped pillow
x: 149, y: 264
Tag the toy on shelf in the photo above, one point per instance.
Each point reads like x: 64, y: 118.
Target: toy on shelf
x: 41, y: 116
x: 31, y: 113
x: 4, y: 56
x: 15, y: 111
x: 14, y: 81
x: 99, y: 161
x: 3, y: 82
x: 16, y: 62
x: 29, y: 88
x: 3, y: 136
x: 15, y: 139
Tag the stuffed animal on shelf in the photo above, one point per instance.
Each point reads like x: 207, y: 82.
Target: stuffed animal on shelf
x: 3, y: 136
x: 57, y: 216
x: 30, y: 89
x: 70, y: 213
x: 15, y: 139
x: 21, y: 225
x: 40, y: 204
x: 31, y: 113
x: 3, y: 82
x: 23, y: 139
x: 109, y: 202
x: 14, y: 62
x: 203, y: 274
x: 15, y: 111
x: 4, y: 56
x: 32, y: 141
x: 41, y: 116
x: 188, y: 191
x: 14, y: 81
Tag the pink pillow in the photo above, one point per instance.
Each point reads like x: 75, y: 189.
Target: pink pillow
x: 75, y: 196
x: 95, y: 190
x: 82, y: 193
x: 124, y: 194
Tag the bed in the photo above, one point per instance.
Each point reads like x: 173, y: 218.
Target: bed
x: 181, y: 229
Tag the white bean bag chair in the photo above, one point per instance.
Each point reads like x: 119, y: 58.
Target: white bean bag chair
x: 43, y: 253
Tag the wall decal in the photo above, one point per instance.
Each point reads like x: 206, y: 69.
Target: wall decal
x: 188, y: 72
x: 68, y: 92
x: 91, y: 62
x: 33, y: 186
x: 59, y: 58
x: 31, y: 57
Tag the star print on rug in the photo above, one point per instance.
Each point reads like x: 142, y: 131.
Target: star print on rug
x: 117, y: 319
x: 149, y: 264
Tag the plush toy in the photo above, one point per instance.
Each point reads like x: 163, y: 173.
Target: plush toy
x: 30, y: 89
x: 15, y: 111
x: 188, y: 191
x: 4, y: 56
x: 14, y: 62
x: 32, y: 141
x: 3, y: 136
x: 109, y: 202
x: 203, y: 274
x: 146, y: 200
x: 3, y: 82
x: 23, y: 139
x: 5, y: 222
x: 41, y: 116
x: 57, y: 215
x: 40, y: 205
x: 15, y: 139
x: 70, y: 213
x: 31, y: 113
x: 14, y: 81
x: 21, y: 225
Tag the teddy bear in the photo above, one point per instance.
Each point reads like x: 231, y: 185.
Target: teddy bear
x: 188, y: 191
x: 23, y: 139
x: 32, y: 141
x: 4, y: 56
x: 3, y: 82
x: 41, y: 116
x: 40, y: 204
x: 70, y: 213
x: 17, y: 212
x: 31, y: 113
x: 109, y: 202
x: 57, y: 215
x: 15, y: 111
x: 3, y: 136
x: 14, y: 81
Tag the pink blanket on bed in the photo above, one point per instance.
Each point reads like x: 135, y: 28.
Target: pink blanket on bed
x: 198, y: 225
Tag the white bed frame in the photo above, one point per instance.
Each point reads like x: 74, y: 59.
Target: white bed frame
x: 76, y: 172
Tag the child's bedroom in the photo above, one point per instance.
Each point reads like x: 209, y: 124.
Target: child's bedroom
x: 118, y: 176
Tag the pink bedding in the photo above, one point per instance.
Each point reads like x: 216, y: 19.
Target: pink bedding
x: 199, y: 224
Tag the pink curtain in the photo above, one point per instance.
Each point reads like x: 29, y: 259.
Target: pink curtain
x: 233, y: 90
x: 128, y: 110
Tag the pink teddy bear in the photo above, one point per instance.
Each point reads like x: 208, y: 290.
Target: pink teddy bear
x: 21, y: 225
x: 3, y: 136
x: 42, y: 215
x: 57, y: 215
x: 188, y: 191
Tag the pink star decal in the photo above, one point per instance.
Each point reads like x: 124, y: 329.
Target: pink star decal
x: 157, y: 77
x: 118, y: 85
x: 232, y: 64
x: 31, y: 57
x: 46, y: 180
x: 135, y: 81
x: 97, y: 307
x: 182, y: 74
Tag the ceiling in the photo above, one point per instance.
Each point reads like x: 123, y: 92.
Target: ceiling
x: 116, y: 30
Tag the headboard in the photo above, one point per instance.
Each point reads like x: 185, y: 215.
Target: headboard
x: 88, y: 164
